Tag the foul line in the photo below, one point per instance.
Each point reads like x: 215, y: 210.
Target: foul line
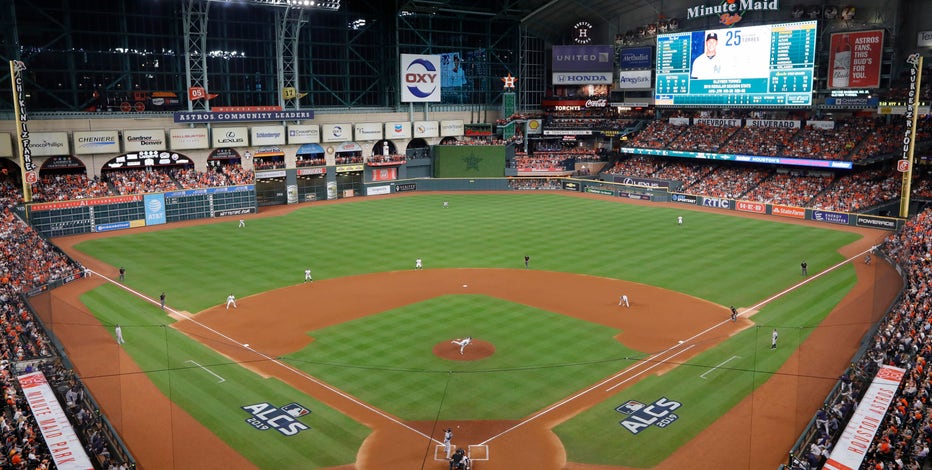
x: 208, y: 371
x: 671, y: 348
x: 726, y: 361
x: 271, y: 359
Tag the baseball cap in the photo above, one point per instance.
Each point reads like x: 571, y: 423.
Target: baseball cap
x: 711, y: 36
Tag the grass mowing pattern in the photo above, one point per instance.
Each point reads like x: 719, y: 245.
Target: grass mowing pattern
x: 386, y: 359
x: 725, y: 259
x: 163, y: 354
x: 750, y: 362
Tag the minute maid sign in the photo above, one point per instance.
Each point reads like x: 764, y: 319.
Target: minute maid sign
x: 727, y: 8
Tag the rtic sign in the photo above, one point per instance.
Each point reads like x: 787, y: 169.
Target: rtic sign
x: 642, y: 416
x: 420, y: 78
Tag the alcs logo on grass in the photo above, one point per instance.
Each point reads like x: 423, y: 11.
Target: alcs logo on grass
x: 642, y: 416
x: 284, y: 419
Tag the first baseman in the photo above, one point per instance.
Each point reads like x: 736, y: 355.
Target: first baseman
x: 231, y: 300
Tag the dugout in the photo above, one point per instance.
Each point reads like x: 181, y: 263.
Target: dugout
x: 349, y: 170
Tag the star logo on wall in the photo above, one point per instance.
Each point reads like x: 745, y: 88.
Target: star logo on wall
x: 509, y: 81
x: 472, y: 162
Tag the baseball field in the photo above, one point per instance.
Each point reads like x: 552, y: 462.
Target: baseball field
x: 357, y: 370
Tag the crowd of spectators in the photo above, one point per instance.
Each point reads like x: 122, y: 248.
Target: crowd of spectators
x: 271, y: 163
x: 550, y: 163
x: 903, y: 339
x: 395, y: 159
x: 730, y: 182
x: 702, y: 138
x: 656, y: 135
x: 860, y: 190
x: 65, y: 187
x: 140, y: 181
x: 348, y: 158
x: 524, y: 184
x: 767, y: 141
x: 790, y: 188
x: 307, y: 160
x: 217, y: 176
x: 29, y: 262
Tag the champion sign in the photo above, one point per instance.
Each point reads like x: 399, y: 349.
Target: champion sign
x: 420, y: 78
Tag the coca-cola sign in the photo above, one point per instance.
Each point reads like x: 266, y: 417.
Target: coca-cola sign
x: 599, y: 103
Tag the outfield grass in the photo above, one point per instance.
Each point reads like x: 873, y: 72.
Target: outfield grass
x: 725, y: 259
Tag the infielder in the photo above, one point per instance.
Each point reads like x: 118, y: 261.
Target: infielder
x: 462, y: 343
x: 307, y: 275
x: 418, y: 264
x: 623, y: 300
x: 231, y: 300
x: 734, y: 313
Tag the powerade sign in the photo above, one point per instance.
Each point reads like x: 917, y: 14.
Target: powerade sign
x: 420, y: 78
x: 642, y: 416
x: 635, y: 58
x: 876, y: 222
x: 155, y: 208
x: 830, y: 217
x: 284, y: 419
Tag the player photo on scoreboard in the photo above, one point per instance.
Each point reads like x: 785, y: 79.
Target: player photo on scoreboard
x: 730, y: 53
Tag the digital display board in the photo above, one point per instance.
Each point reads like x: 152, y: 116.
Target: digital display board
x: 768, y: 65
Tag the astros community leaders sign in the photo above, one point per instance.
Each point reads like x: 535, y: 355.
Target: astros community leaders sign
x: 211, y: 116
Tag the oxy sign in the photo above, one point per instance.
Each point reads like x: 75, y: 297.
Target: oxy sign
x: 420, y: 78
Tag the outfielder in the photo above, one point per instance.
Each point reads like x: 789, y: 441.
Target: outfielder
x: 418, y: 264
x: 679, y: 220
x: 118, y: 331
x: 462, y: 343
x: 307, y: 275
x: 242, y: 223
x: 773, y: 339
x: 231, y: 300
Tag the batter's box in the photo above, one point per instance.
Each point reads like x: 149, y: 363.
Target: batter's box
x: 479, y: 452
x: 441, y: 454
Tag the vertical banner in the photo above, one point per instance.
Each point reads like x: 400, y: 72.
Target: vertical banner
x: 420, y: 78
x: 905, y: 165
x: 855, y: 59
x: 155, y: 208
x: 28, y: 170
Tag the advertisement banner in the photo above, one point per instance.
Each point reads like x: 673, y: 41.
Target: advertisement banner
x: 635, y: 58
x: 855, y: 58
x: 454, y: 128
x: 267, y: 135
x: 188, y: 139
x: 368, y: 131
x: 582, y: 78
x: 155, y: 208
x: 336, y: 132
x: 684, y: 198
x: 405, y: 187
x: 716, y: 202
x: 583, y: 58
x: 425, y: 129
x: 189, y: 117
x: 788, y: 211
x: 321, y: 170
x: 304, y: 134
x: 718, y: 122
x: 534, y: 126
x: 6, y: 147
x: 262, y: 175
x: 96, y: 142
x: 140, y: 140
x: 66, y: 449
x: 925, y: 39
x: 645, y: 182
x: 420, y: 78
x: 885, y: 223
x: 749, y: 206
x: 830, y: 217
x: 384, y: 174
x: 378, y: 190
x: 398, y: 130
x: 785, y: 124
x: 230, y: 137
x: 632, y: 79
x: 855, y: 440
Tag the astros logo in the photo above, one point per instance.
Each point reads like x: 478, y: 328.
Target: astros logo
x: 421, y: 73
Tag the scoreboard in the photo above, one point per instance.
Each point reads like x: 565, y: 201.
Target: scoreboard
x: 768, y: 65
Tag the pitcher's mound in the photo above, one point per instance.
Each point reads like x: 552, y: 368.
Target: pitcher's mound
x: 478, y: 349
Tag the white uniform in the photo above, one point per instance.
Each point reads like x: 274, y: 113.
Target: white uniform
x: 462, y: 343
x: 447, y: 437
x: 623, y: 300
x: 446, y: 204
x: 679, y: 220
x: 307, y: 275
x: 773, y: 339
x: 119, y: 334
x: 231, y: 300
x: 242, y: 222
x: 418, y: 264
